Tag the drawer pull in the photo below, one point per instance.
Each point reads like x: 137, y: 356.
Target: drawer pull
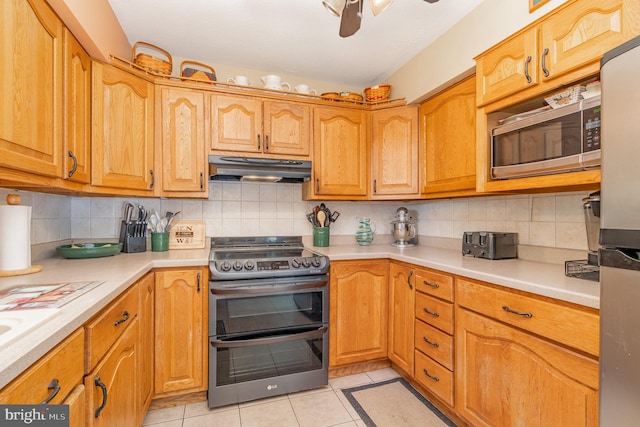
x: 519, y: 313
x: 432, y: 313
x: 125, y: 317
x: 433, y: 285
x: 100, y: 384
x: 435, y: 344
x: 55, y: 386
x: 433, y: 377
x: 409, y: 279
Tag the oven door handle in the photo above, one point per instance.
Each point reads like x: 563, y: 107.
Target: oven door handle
x: 265, y: 290
x: 271, y: 340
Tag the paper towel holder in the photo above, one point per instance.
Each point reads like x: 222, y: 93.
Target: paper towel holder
x: 14, y: 200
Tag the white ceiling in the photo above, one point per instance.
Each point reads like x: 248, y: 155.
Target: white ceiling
x: 290, y: 37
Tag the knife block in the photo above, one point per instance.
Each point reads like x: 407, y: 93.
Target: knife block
x: 131, y: 241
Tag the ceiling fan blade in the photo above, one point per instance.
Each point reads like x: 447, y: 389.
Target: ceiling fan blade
x: 350, y: 22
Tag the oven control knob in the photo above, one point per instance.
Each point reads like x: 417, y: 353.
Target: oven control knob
x: 305, y: 263
x: 237, y: 266
x: 295, y: 263
x: 249, y: 265
x: 224, y: 266
x: 315, y: 262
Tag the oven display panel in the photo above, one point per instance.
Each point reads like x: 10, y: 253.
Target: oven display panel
x: 273, y: 265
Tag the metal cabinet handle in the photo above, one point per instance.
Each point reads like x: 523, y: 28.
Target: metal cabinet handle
x: 433, y: 285
x: 433, y: 377
x: 317, y: 185
x: 432, y: 313
x: 526, y: 69
x: 434, y: 344
x: 153, y: 179
x: 100, y: 384
x: 259, y: 144
x: 545, y: 52
x: 55, y: 386
x: 125, y: 317
x: 198, y: 282
x: 409, y: 279
x: 519, y: 313
x: 75, y: 164
x: 201, y: 181
x: 375, y: 185
x: 266, y: 142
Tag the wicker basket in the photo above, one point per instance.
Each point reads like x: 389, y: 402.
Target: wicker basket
x: 150, y: 62
x: 377, y: 93
x: 350, y: 96
x: 330, y: 96
x: 207, y: 75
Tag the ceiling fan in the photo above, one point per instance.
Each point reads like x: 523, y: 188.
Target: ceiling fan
x: 350, y: 12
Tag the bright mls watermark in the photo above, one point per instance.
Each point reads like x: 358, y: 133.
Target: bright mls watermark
x: 34, y: 415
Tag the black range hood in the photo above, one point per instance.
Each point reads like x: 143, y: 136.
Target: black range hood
x: 232, y: 168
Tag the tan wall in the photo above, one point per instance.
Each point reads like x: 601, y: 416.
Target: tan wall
x: 450, y: 58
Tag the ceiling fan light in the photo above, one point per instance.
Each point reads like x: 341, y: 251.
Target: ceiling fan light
x: 334, y: 6
x: 378, y: 6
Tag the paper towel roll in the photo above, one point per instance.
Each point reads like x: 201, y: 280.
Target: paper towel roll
x: 15, y: 237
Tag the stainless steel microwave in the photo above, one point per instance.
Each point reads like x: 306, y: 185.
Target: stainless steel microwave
x: 560, y: 140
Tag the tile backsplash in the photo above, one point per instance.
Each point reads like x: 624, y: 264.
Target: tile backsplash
x: 234, y: 209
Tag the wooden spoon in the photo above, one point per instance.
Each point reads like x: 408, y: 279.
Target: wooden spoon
x: 321, y: 216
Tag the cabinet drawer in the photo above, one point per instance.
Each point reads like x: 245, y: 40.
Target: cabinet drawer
x: 434, y: 343
x: 435, y: 312
x: 63, y: 363
x: 433, y: 283
x: 108, y: 325
x: 434, y: 377
x: 567, y: 325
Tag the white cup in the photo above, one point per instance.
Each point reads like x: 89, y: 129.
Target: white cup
x: 274, y: 82
x: 302, y: 88
x: 239, y: 80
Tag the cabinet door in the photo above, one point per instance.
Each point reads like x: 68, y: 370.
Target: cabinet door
x: 287, y: 128
x: 180, y: 333
x: 31, y: 76
x: 506, y: 377
x: 122, y: 136
x: 77, y: 111
x: 508, y: 68
x: 583, y: 32
x: 401, y: 316
x: 183, y: 127
x: 340, y: 152
x: 77, y: 402
x: 146, y: 288
x: 448, y: 131
x: 236, y: 124
x: 395, y: 152
x: 112, y: 389
x: 358, y: 311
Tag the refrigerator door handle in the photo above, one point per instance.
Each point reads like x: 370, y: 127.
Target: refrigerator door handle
x: 627, y: 259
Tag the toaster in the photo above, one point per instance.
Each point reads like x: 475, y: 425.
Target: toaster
x: 489, y: 244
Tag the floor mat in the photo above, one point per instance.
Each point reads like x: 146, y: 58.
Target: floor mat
x: 394, y: 403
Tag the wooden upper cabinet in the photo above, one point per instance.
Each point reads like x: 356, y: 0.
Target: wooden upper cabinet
x: 31, y: 76
x: 340, y: 154
x: 394, y: 152
x: 122, y: 136
x: 77, y: 111
x: 508, y: 68
x: 251, y: 125
x: 287, y: 128
x: 448, y: 138
x: 183, y: 129
x: 568, y: 42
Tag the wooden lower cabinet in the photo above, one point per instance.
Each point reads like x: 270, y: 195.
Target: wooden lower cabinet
x: 507, y: 375
x: 77, y: 401
x: 401, y: 315
x: 180, y: 331
x: 146, y: 290
x: 358, y: 311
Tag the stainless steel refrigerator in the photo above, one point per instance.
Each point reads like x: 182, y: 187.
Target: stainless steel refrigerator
x: 620, y: 237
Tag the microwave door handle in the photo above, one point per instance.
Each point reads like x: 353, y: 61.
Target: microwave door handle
x: 271, y: 340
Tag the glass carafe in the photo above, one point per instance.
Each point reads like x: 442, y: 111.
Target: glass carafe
x: 365, y: 231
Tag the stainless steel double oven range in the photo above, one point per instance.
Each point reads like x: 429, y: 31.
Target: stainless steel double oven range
x: 268, y: 318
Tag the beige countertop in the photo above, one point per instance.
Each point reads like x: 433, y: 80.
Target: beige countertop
x: 120, y: 271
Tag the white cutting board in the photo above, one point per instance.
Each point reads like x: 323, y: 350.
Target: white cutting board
x: 187, y: 235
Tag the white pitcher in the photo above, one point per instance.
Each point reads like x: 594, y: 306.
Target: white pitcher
x: 239, y: 80
x: 274, y: 82
x: 302, y: 88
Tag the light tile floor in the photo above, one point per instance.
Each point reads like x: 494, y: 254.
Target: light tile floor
x: 322, y: 407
